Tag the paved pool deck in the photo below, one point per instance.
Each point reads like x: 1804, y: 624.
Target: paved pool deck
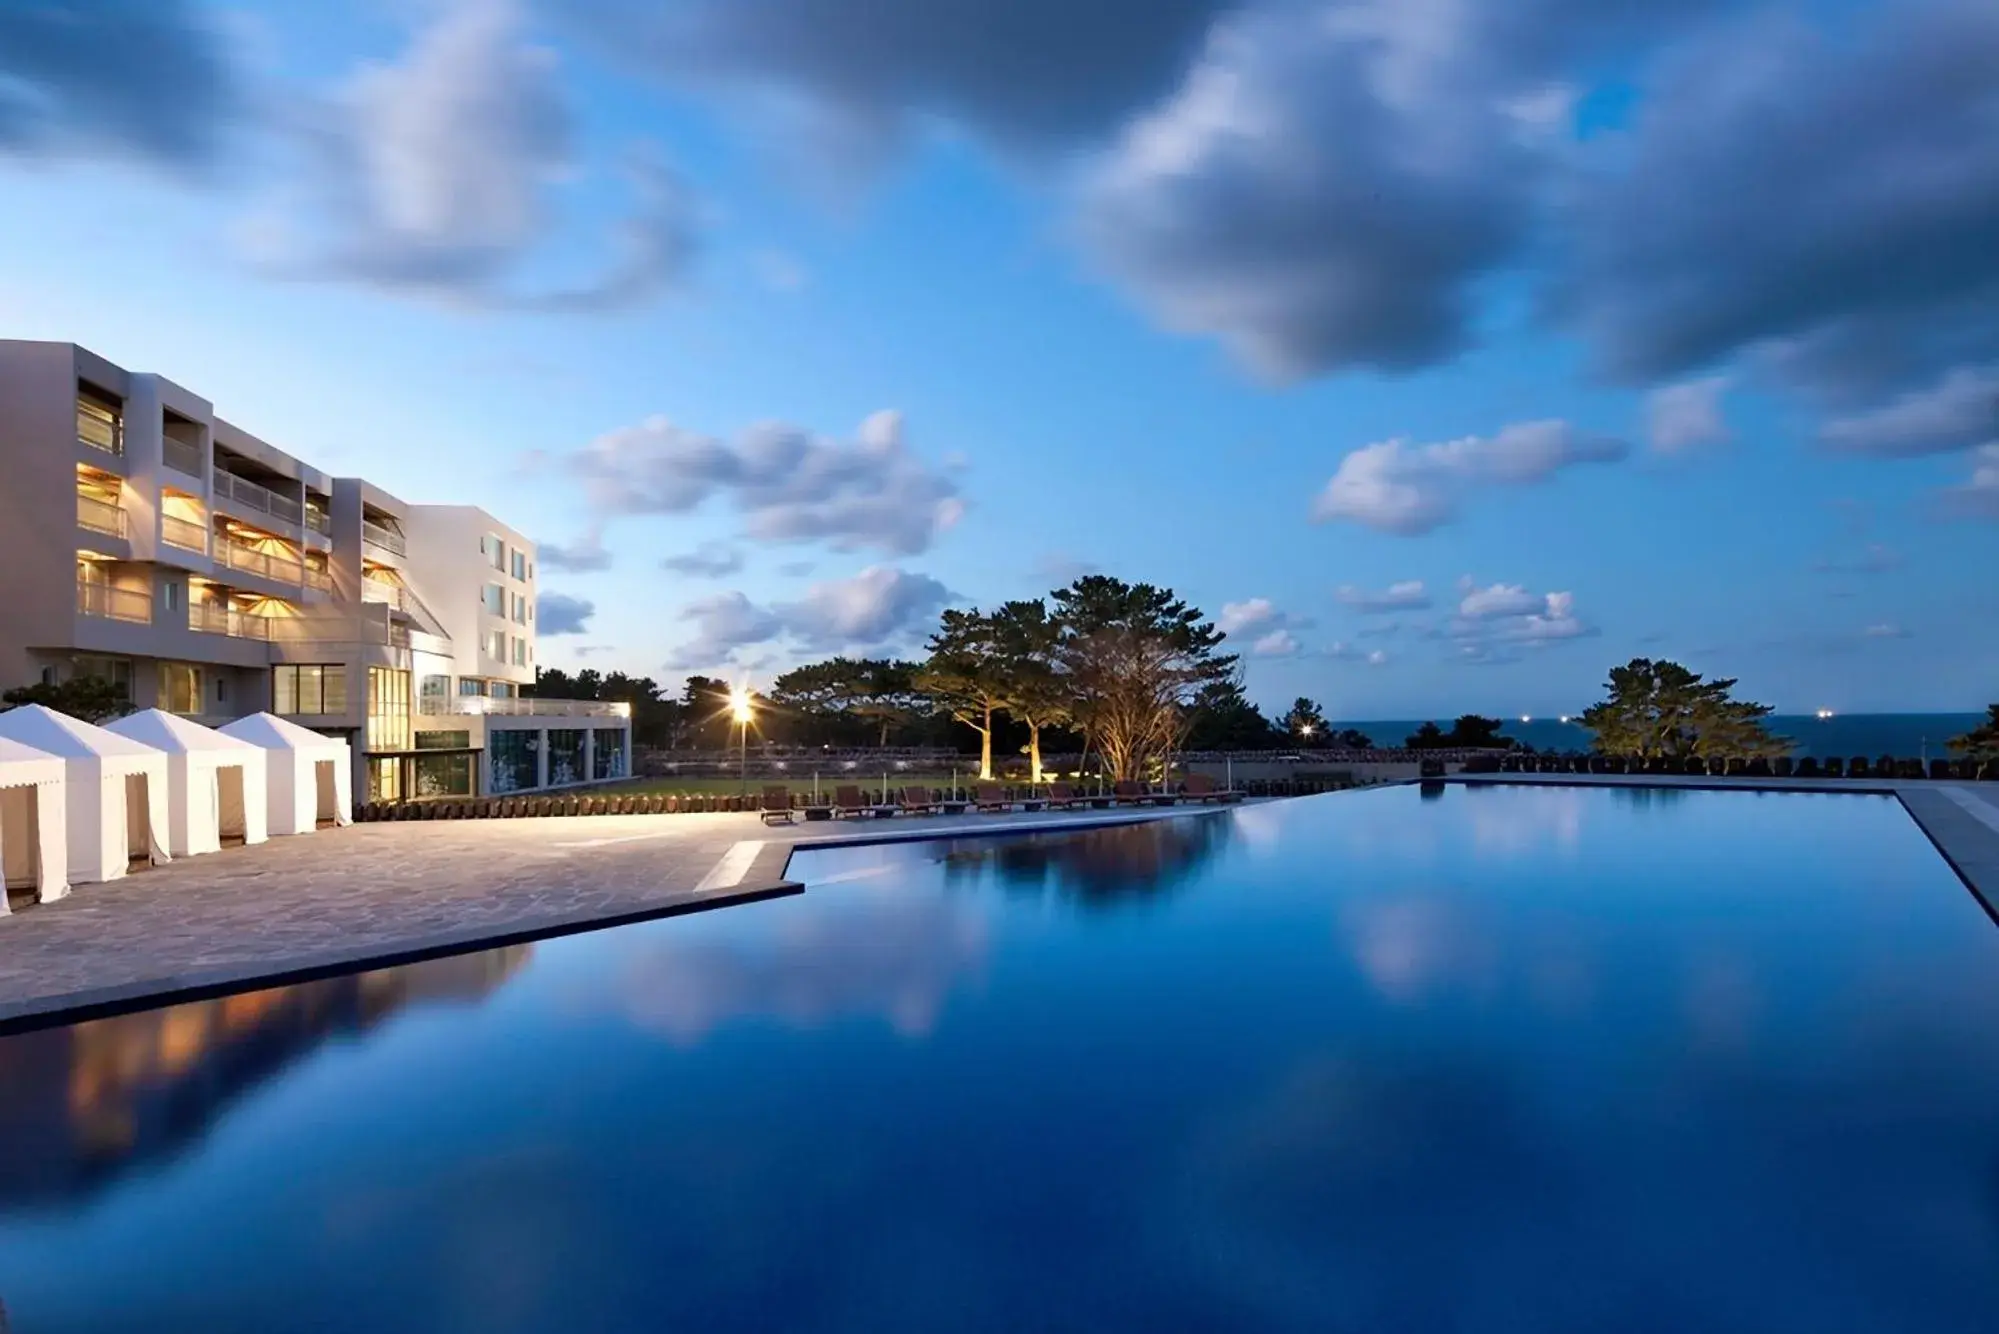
x: 387, y: 893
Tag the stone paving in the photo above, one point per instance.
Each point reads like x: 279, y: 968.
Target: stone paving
x: 398, y: 890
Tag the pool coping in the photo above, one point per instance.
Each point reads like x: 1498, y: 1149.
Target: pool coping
x: 939, y: 834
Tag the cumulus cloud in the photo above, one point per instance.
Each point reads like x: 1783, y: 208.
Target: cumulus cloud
x: 586, y: 556
x: 1408, y: 595
x: 1977, y: 498
x: 1343, y: 652
x: 880, y: 605
x: 1243, y: 617
x: 1276, y: 644
x: 1687, y: 417
x: 710, y: 560
x: 1493, y: 621
x: 433, y: 176
x: 1396, y: 486
x: 789, y: 485
x: 561, y: 614
x: 881, y: 608
x: 1824, y: 185
x: 142, y: 78
x: 1957, y: 412
x: 1270, y: 631
x: 1027, y: 75
x: 1482, y: 604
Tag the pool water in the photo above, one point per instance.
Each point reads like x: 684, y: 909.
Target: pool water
x: 1490, y: 1059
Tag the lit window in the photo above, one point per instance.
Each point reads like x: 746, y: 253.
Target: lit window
x: 99, y: 421
x: 309, y: 688
x: 180, y: 687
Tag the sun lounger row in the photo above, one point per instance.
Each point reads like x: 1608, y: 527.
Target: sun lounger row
x: 851, y: 802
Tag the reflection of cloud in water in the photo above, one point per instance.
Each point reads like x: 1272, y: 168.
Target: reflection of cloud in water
x: 873, y: 950
x: 1509, y: 822
x: 1407, y: 946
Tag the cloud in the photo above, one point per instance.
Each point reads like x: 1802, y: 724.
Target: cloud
x: 1408, y: 595
x: 1493, y: 621
x: 433, y: 176
x: 1243, y: 617
x: 1957, y: 412
x: 1319, y: 194
x: 880, y: 608
x: 1685, y: 418
x: 1977, y: 498
x: 1031, y: 76
x: 560, y: 614
x: 1343, y: 652
x: 1480, y: 604
x: 1276, y: 644
x: 789, y: 485
x: 1062, y: 569
x: 710, y: 560
x: 723, y: 624
x: 1884, y: 631
x: 1874, y: 558
x: 142, y: 78
x: 1823, y: 187
x: 1408, y: 489
x: 587, y: 556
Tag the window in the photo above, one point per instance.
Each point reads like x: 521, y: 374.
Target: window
x: 118, y: 671
x: 433, y: 688
x: 385, y: 780
x: 502, y: 690
x: 388, y: 709
x: 180, y: 687
x: 495, y: 645
x: 520, y: 610
x: 309, y: 688
x: 566, y: 757
x: 443, y: 775
x: 494, y: 550
x: 510, y: 761
x: 471, y: 685
x: 170, y: 596
x: 520, y: 652
x: 607, y: 753
x: 443, y: 741
x: 493, y: 599
x: 221, y: 690
x: 100, y: 422
x: 520, y: 565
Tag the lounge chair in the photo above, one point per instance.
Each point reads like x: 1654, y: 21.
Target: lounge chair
x: 991, y: 799
x: 777, y: 805
x: 1202, y: 788
x: 1128, y: 793
x: 1062, y: 797
x: 918, y: 801
x: 848, y: 801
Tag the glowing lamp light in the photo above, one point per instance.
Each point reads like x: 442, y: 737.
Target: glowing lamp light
x: 1306, y: 729
x: 739, y: 704
x: 1565, y: 717
x: 1525, y: 718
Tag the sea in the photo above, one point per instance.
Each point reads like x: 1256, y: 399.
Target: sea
x: 1903, y: 735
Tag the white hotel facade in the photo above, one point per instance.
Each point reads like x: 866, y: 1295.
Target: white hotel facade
x: 214, y: 575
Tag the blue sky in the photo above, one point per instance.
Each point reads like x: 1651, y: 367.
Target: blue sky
x: 1670, y: 336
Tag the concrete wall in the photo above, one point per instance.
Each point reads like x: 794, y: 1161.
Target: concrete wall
x: 38, y: 533
x: 448, y: 571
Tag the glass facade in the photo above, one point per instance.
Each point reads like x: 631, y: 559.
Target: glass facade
x: 496, y: 644
x: 443, y: 775
x: 309, y: 688
x: 180, y: 687
x: 566, y: 760
x: 510, y: 761
x: 385, y: 780
x: 388, y: 709
x: 607, y: 760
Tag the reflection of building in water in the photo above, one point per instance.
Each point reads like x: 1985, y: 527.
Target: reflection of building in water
x: 89, y: 1101
x: 1099, y: 866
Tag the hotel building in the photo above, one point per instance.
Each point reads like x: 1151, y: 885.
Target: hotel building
x: 214, y: 575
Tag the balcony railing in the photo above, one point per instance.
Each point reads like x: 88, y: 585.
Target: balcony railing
x: 526, y: 708
x: 181, y: 456
x: 117, y: 604
x: 182, y: 533
x: 259, y: 498
x: 99, y: 516
x: 317, y: 520
x: 281, y: 568
x: 318, y: 579
x: 386, y: 538
x: 388, y: 594
x: 211, y: 619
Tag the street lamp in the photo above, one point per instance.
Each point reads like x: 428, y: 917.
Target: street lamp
x: 742, y: 711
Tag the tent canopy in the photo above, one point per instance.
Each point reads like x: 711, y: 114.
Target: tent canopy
x: 215, y: 783
x: 24, y: 766
x: 275, y: 733
x: 73, y: 739
x: 171, y: 732
x: 104, y: 775
x: 33, y: 833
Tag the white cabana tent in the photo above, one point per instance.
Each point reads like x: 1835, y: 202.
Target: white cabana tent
x: 114, y: 791
x: 32, y: 851
x: 309, y: 776
x: 215, y: 783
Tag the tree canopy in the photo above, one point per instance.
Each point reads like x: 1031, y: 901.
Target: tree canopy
x: 94, y: 699
x: 1225, y: 719
x: 1305, y: 722
x: 1982, y: 741
x: 1471, y: 731
x: 967, y: 675
x: 1660, y: 709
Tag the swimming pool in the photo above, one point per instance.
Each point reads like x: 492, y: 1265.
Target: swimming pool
x: 1494, y: 1059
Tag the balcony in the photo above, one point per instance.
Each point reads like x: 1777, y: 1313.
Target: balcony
x: 228, y: 486
x: 283, y: 569
x: 319, y: 579
x: 315, y: 519
x: 115, y: 604
x: 99, y: 515
x: 476, y: 705
x: 213, y: 619
x: 389, y: 540
x: 183, y: 534
x: 389, y: 595
x: 181, y: 456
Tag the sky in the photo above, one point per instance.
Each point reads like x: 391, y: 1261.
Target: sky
x: 1446, y: 352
